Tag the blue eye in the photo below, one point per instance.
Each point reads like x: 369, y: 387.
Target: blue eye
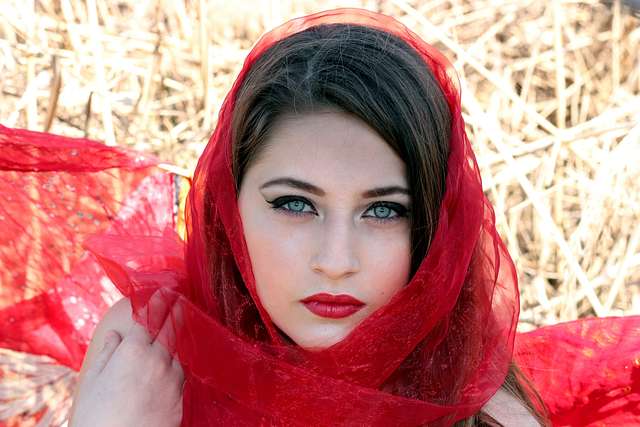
x: 387, y: 212
x: 383, y: 212
x: 291, y: 205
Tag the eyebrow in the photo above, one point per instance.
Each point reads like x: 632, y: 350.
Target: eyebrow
x: 310, y: 188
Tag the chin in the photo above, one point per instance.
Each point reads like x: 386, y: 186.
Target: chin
x: 320, y: 340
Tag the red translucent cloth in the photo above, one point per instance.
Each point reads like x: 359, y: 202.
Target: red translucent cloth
x: 54, y: 192
x: 587, y: 371
x: 413, y: 362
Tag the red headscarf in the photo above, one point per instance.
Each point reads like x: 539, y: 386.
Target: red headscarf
x: 434, y: 354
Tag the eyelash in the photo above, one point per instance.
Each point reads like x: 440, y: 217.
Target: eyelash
x: 278, y: 204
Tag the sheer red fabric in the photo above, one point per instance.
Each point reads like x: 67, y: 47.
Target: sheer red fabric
x: 54, y: 192
x: 413, y: 362
x: 587, y: 371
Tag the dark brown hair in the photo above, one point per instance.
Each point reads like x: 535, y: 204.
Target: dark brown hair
x: 380, y: 79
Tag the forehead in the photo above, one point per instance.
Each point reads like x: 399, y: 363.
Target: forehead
x: 330, y: 148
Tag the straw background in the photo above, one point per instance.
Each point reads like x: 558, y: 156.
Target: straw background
x: 551, y: 96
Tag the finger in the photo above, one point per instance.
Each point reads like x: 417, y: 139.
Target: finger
x: 112, y: 340
x: 138, y: 333
x: 151, y: 318
x: 159, y: 308
x: 165, y: 341
x: 177, y: 367
x: 147, y: 320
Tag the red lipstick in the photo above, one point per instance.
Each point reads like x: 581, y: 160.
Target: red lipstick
x: 332, y: 306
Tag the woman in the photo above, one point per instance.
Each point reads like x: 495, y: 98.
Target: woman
x: 342, y: 263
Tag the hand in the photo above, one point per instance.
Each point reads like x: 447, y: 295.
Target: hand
x: 133, y: 381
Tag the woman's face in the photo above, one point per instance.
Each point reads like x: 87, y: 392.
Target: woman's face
x: 324, y: 212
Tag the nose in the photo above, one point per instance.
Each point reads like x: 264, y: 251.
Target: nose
x: 336, y: 254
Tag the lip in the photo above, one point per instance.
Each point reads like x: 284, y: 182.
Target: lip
x: 332, y: 306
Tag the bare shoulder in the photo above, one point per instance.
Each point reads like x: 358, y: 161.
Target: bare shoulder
x: 509, y: 411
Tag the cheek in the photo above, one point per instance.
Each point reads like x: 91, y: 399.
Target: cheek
x: 389, y: 262
x: 275, y: 256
